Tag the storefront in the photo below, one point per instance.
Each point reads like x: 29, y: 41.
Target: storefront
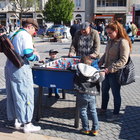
x: 39, y: 18
x: 27, y: 15
x: 103, y: 18
x: 3, y: 19
x: 13, y: 19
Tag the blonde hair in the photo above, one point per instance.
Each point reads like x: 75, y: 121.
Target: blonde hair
x: 115, y: 25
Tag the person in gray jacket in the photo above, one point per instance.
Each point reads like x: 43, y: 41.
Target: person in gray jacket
x: 115, y: 57
x: 87, y: 85
x: 86, y: 42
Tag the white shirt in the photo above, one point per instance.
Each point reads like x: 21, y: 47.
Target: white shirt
x: 21, y: 41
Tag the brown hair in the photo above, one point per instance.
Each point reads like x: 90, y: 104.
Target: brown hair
x: 115, y: 25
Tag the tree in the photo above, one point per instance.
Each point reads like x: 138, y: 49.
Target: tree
x: 20, y: 7
x: 58, y: 11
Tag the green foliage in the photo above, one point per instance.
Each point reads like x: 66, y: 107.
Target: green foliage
x: 23, y: 6
x: 20, y: 4
x: 27, y: 3
x: 58, y: 10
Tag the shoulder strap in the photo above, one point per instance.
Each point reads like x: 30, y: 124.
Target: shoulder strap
x: 12, y: 37
x: 119, y: 49
x: 120, y: 45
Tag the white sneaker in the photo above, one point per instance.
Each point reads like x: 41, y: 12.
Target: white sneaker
x: 17, y: 124
x: 30, y: 128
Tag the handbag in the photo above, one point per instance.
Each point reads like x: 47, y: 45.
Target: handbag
x: 126, y: 75
x: 8, y: 49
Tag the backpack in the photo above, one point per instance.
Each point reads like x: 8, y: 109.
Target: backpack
x: 8, y: 49
x: 86, y: 79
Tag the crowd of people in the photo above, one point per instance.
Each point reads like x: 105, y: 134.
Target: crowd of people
x: 130, y: 28
x: 86, y: 40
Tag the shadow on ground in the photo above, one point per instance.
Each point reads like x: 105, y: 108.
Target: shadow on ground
x: 130, y: 126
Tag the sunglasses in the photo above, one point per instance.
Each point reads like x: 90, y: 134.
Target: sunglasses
x: 109, y: 33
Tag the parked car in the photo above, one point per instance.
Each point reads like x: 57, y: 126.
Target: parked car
x: 41, y: 31
x: 59, y: 31
x: 55, y: 31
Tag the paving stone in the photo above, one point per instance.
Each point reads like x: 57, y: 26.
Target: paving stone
x: 58, y: 115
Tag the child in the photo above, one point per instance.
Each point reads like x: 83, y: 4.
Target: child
x: 87, y: 84
x: 53, y: 56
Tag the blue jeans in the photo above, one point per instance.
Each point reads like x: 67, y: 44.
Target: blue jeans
x: 132, y: 38
x: 111, y: 82
x: 85, y: 101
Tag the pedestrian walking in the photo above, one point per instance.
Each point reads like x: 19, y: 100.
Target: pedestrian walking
x: 19, y: 81
x: 134, y: 31
x: 75, y: 27
x: 100, y: 30
x: 10, y: 27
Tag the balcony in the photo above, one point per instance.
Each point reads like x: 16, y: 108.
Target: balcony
x: 111, y: 10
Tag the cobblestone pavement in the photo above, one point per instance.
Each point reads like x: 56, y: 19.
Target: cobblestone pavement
x: 58, y: 115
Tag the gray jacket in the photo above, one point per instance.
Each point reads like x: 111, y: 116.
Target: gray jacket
x: 116, y: 54
x: 92, y: 44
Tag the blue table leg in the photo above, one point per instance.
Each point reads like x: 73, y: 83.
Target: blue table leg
x: 39, y: 107
x: 77, y: 115
x: 39, y: 103
x: 63, y: 94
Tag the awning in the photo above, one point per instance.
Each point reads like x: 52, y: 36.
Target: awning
x: 104, y: 16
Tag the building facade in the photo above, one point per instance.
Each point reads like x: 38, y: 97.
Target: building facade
x: 107, y: 10
x: 85, y: 10
x: 79, y: 11
x: 10, y: 15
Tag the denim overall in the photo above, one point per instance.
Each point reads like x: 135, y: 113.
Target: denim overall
x: 20, y: 93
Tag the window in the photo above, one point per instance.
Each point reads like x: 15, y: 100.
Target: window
x: 103, y: 3
x: 121, y: 2
x: 114, y: 4
x: 78, y: 3
x: 98, y: 3
x: 108, y: 2
x: 2, y: 4
x: 79, y: 17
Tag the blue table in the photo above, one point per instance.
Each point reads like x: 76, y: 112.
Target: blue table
x: 53, y: 77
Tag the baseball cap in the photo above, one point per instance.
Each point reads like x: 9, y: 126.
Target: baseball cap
x: 53, y: 51
x: 31, y: 21
x: 84, y: 25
